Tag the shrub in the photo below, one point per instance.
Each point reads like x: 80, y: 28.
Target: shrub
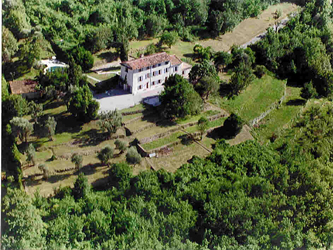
x: 260, y: 71
x: 132, y: 156
x: 105, y: 154
x: 121, y: 145
x: 308, y: 91
x: 232, y: 126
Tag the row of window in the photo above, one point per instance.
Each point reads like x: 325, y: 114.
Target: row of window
x: 155, y: 73
x: 153, y: 83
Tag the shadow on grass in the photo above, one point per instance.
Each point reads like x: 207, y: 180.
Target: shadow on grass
x: 108, y: 56
x: 218, y: 133
x: 296, y: 102
x: 53, y: 105
x: 191, y: 55
x: 89, y: 138
x: 101, y: 184
x: 68, y: 123
x: 225, y: 90
x: 88, y: 169
x: 56, y: 178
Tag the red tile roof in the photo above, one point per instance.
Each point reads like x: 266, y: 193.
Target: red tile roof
x: 23, y: 86
x: 147, y: 61
x: 175, y: 60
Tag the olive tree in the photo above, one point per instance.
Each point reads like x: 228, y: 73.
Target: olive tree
x: 132, y: 156
x: 105, y: 154
x: 31, y: 154
x: 77, y: 160
x: 21, y: 127
x: 121, y: 145
x: 110, y: 121
x: 51, y: 126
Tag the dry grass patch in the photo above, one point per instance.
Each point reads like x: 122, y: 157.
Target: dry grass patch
x: 250, y: 28
x: 180, y: 155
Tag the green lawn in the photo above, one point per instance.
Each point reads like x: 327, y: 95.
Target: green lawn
x: 134, y: 108
x: 212, y: 124
x: 255, y: 99
x: 101, y: 77
x: 130, y: 117
x: 279, y: 119
x: 163, y: 141
x: 195, y: 118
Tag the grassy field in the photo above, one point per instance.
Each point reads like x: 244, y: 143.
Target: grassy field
x: 279, y: 119
x: 134, y: 108
x: 258, y: 96
x: 180, y: 155
x: 101, y: 77
x: 163, y: 141
x: 243, y: 33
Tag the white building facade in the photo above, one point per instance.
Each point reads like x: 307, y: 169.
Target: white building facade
x: 150, y: 72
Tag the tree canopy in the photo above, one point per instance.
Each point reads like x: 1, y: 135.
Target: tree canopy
x: 179, y: 98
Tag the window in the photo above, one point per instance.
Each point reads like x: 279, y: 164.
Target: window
x: 154, y: 66
x: 140, y: 79
x: 166, y: 62
x: 147, y: 76
x: 160, y: 72
x: 126, y: 69
x: 147, y: 68
x: 154, y: 73
x: 176, y: 68
x: 166, y: 70
x: 183, y: 72
x: 159, y: 81
x: 140, y: 87
x: 159, y: 64
x: 153, y: 83
x: 140, y: 70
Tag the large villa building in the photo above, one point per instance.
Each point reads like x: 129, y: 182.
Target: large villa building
x: 150, y: 72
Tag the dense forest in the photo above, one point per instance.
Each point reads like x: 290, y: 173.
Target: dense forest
x: 96, y: 24
x: 249, y: 196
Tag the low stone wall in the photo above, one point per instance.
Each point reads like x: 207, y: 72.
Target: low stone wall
x: 271, y: 107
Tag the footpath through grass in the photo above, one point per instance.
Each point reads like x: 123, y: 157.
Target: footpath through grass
x: 255, y: 99
x: 280, y: 118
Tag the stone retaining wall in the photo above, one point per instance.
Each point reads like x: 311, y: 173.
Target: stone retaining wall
x: 271, y: 107
x: 132, y: 112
